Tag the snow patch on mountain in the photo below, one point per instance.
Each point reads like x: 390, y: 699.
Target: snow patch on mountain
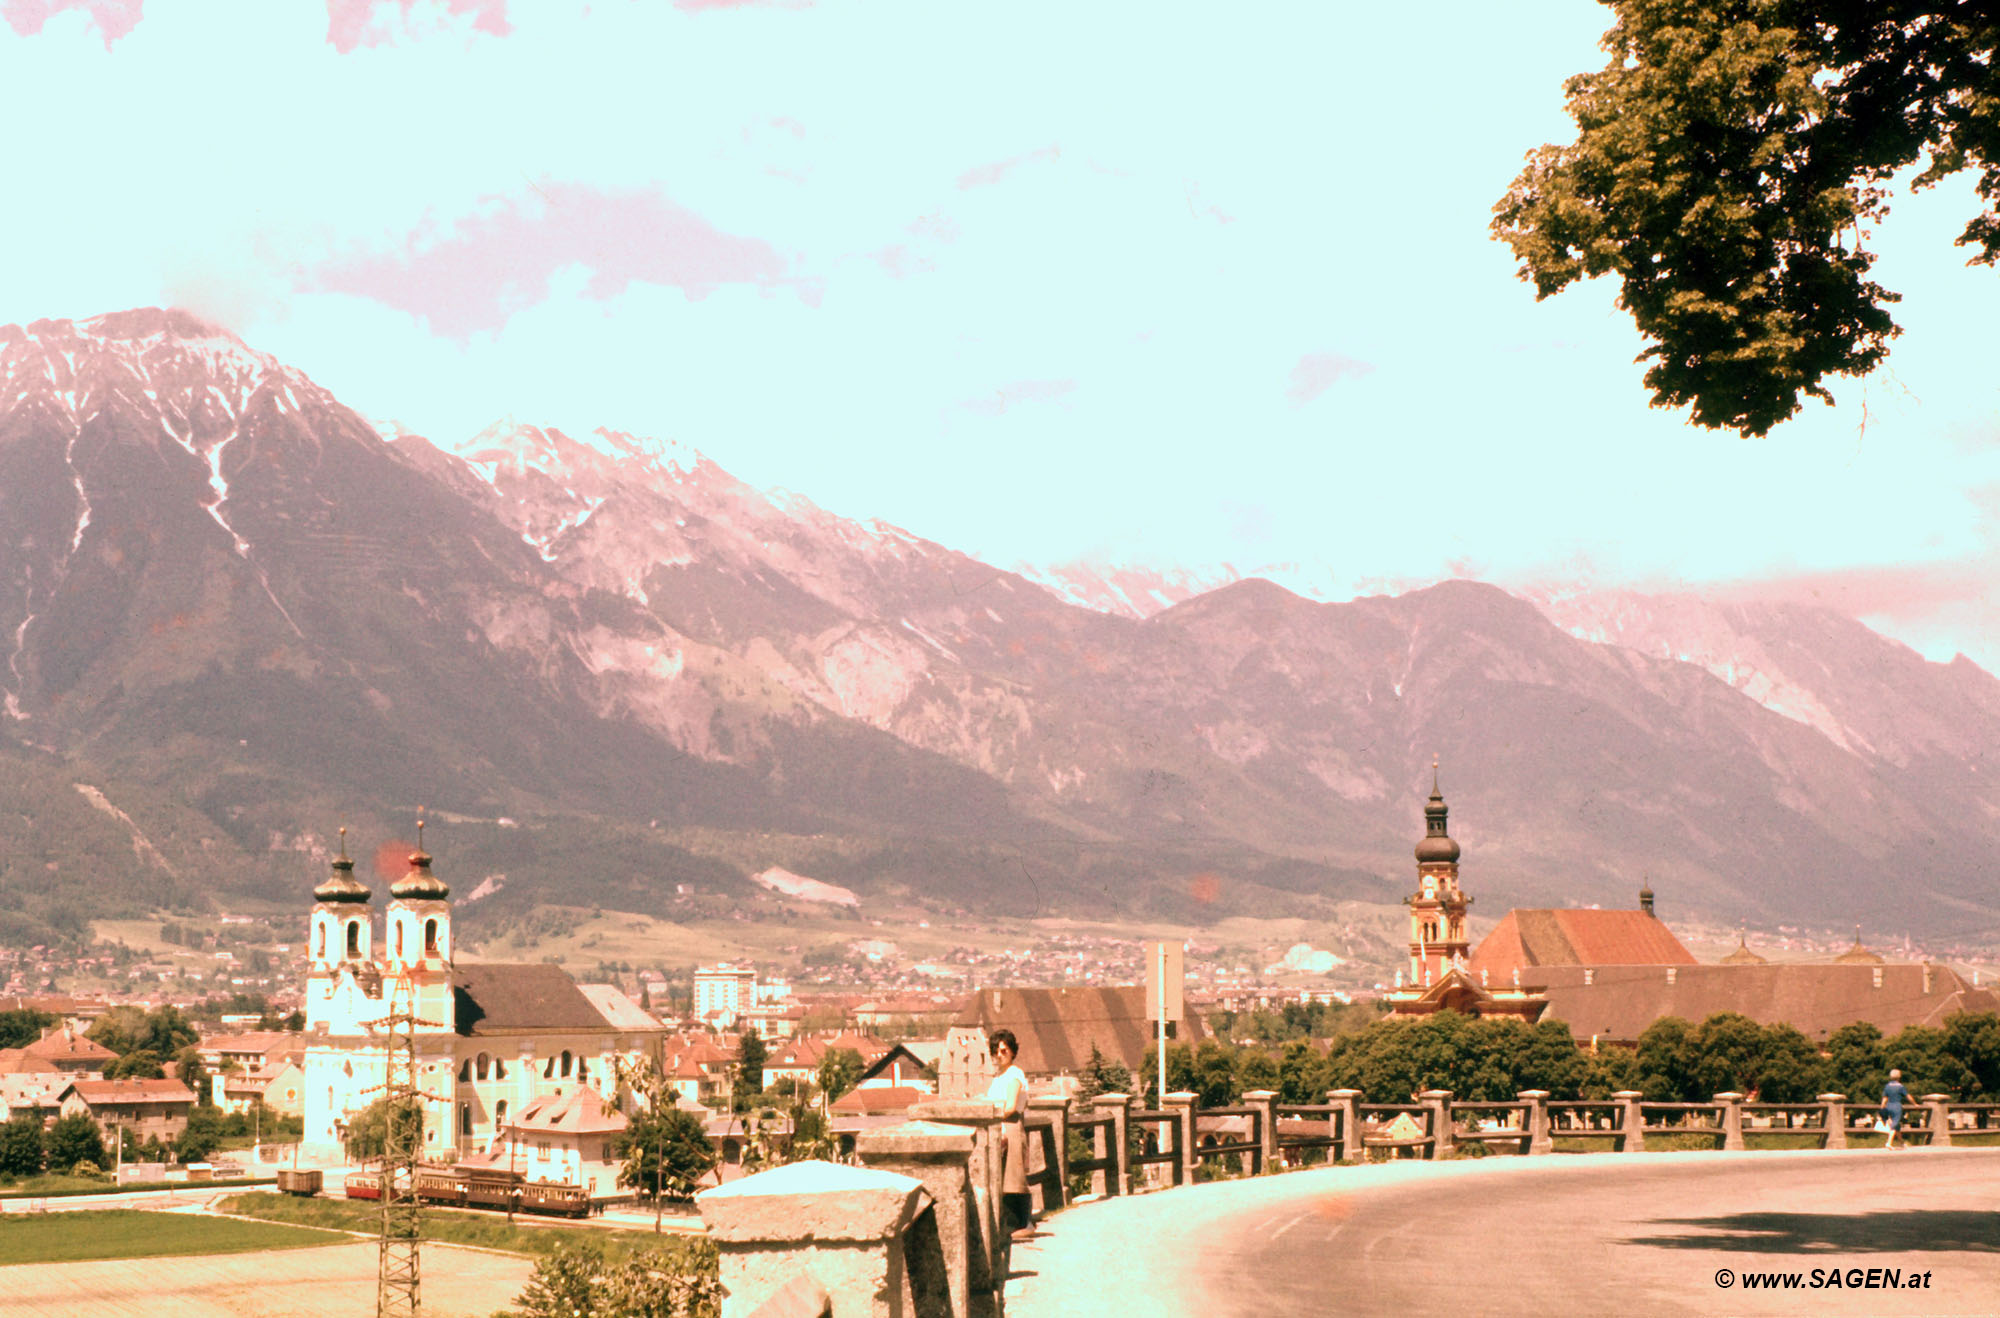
x: 1691, y: 631
x: 803, y: 888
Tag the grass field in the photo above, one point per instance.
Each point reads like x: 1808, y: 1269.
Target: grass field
x: 489, y: 1231
x: 123, y: 1233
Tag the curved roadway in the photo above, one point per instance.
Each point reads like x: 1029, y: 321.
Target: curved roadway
x: 1633, y: 1235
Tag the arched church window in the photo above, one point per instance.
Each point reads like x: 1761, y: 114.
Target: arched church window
x: 566, y: 1062
x: 549, y: 1068
x: 484, y: 1063
x: 354, y: 938
x: 500, y: 1114
x: 465, y: 1118
x: 399, y: 938
x: 499, y: 1068
x: 583, y: 1068
x: 430, y: 935
x: 322, y: 940
x: 465, y: 1072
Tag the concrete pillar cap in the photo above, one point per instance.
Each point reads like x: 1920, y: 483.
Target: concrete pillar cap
x: 1832, y: 1098
x: 811, y: 1201
x: 915, y: 1138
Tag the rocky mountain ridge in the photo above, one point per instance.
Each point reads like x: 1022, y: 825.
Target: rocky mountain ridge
x: 224, y: 593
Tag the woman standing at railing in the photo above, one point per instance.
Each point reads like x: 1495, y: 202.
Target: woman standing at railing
x: 1010, y: 1090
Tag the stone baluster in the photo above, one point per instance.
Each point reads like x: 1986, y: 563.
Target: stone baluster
x: 1439, y: 1103
x: 1056, y: 1109
x: 1536, y: 1121
x: 1836, y: 1120
x: 1112, y: 1144
x: 1732, y: 1120
x: 1631, y: 1122
x: 1347, y: 1101
x: 1940, y: 1109
x: 939, y: 1156
x: 861, y: 1240
x: 1266, y: 1153
x: 986, y: 1262
x: 1181, y: 1104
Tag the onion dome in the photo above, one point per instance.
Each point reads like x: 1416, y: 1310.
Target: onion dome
x: 1742, y: 956
x: 340, y: 884
x: 420, y: 884
x: 1436, y: 846
x: 1857, y: 955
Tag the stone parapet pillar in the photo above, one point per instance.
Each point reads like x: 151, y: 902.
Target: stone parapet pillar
x: 1732, y: 1120
x: 1348, y: 1115
x: 939, y: 1156
x: 1266, y: 1103
x: 1056, y: 1110
x: 1836, y: 1120
x: 867, y: 1238
x: 1631, y: 1122
x: 986, y: 1262
x: 1112, y: 1144
x: 1940, y: 1109
x: 1438, y: 1101
x: 1535, y: 1121
x: 1181, y: 1104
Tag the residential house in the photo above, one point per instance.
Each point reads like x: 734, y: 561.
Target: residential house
x: 566, y: 1138
x: 143, y: 1109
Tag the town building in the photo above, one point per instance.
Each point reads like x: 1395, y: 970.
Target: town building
x: 61, y: 1048
x: 1057, y: 1028
x: 1527, y: 940
x: 566, y: 1138
x: 490, y: 1039
x: 722, y: 993
x: 278, y: 1088
x: 142, y: 1109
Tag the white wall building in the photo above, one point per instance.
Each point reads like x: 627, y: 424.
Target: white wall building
x: 722, y: 993
x: 492, y: 1038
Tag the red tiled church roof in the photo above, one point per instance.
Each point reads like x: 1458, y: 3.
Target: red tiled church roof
x: 1526, y: 937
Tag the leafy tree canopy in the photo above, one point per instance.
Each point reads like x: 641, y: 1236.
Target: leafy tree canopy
x: 18, y: 1029
x: 839, y: 1071
x: 666, y: 1153
x: 21, y: 1144
x: 1729, y: 162
x: 163, y: 1031
x: 73, y: 1139
x: 143, y: 1064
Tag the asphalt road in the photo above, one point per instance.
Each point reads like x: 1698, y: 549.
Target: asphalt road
x: 1632, y: 1235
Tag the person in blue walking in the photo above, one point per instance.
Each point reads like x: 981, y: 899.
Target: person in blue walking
x: 1894, y: 1096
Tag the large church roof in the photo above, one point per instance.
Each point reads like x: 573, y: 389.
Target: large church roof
x: 508, y: 998
x: 1619, y: 1002
x: 1527, y: 937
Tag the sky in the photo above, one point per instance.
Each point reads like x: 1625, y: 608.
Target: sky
x: 1166, y: 285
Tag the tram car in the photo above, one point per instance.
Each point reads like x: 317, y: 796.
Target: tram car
x: 484, y: 1188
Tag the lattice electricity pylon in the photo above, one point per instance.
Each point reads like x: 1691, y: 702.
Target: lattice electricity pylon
x: 398, y: 1264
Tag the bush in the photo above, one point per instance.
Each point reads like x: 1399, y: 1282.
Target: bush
x: 657, y: 1282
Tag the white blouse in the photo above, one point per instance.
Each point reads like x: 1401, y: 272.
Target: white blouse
x: 1009, y: 1089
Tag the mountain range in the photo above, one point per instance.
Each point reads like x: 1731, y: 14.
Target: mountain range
x: 234, y: 612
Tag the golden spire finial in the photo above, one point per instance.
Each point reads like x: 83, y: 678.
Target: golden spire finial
x: 343, y: 842
x: 1434, y: 774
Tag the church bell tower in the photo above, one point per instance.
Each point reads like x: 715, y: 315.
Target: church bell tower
x: 1437, y: 908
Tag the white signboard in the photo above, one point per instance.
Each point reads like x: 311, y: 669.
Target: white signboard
x: 1163, y: 981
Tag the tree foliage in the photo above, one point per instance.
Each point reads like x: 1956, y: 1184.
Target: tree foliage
x: 1730, y: 159
x: 668, y: 1280
x: 839, y: 1071
x: 20, y: 1028
x: 666, y: 1153
x: 751, y: 1054
x: 76, y: 1138
x: 21, y: 1144
x: 368, y: 1132
x: 163, y: 1031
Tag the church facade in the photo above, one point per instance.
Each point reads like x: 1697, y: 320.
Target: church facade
x: 490, y: 1039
